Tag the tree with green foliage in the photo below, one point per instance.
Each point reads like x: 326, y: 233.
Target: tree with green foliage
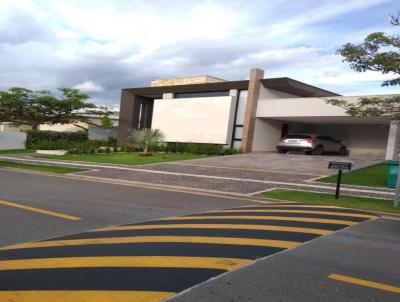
x: 379, y: 52
x: 146, y: 139
x: 106, y: 122
x: 21, y: 106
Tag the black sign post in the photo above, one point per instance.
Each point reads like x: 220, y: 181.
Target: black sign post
x: 339, y: 165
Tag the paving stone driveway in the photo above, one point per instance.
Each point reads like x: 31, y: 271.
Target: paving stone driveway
x: 244, y: 173
x: 312, y: 165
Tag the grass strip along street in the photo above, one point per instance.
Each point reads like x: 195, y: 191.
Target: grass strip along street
x: 127, y: 158
x: 355, y: 202
x: 42, y: 168
x: 153, y: 260
x: 17, y: 151
x: 374, y: 176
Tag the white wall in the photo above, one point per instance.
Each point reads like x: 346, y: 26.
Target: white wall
x: 197, y: 120
x: 12, y: 140
x: 266, y: 134
x: 302, y: 107
x: 267, y: 93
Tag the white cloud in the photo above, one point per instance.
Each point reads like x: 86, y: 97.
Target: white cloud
x: 89, y: 86
x: 116, y: 44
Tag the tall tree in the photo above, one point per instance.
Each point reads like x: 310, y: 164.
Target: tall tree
x: 379, y: 52
x: 21, y: 106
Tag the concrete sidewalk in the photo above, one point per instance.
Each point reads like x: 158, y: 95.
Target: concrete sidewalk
x: 368, y: 251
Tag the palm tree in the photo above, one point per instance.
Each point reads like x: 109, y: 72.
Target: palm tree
x: 146, y: 139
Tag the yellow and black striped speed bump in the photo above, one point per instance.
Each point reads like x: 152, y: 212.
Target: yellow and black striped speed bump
x: 153, y: 260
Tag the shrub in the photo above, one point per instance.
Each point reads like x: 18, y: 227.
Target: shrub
x: 200, y: 149
x: 146, y: 139
x: 34, y: 137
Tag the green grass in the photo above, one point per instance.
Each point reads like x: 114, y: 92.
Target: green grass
x: 347, y: 201
x: 126, y: 158
x: 374, y: 176
x: 16, y: 151
x: 43, y: 168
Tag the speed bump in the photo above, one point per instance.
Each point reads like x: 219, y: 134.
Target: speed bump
x: 153, y: 260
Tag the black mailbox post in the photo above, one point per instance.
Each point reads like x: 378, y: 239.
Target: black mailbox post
x: 339, y: 165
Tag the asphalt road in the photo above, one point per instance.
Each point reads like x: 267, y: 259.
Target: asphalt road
x: 98, y: 204
x: 240, y: 251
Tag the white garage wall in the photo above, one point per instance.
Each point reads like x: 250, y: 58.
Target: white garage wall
x: 266, y: 134
x: 197, y: 120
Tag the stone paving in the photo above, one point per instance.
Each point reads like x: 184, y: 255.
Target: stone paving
x: 231, y: 174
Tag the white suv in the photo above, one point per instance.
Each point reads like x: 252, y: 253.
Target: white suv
x: 311, y: 144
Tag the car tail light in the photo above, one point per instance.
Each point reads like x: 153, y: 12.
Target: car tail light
x: 309, y: 140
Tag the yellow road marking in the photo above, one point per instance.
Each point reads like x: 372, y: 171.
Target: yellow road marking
x: 301, y: 211
x: 37, y: 210
x: 302, y: 219
x: 83, y: 296
x: 146, y: 239
x: 377, y: 285
x: 217, y: 226
x: 128, y: 261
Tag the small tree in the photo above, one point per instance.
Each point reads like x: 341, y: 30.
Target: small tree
x: 379, y: 52
x: 146, y: 139
x: 21, y: 106
x: 106, y: 122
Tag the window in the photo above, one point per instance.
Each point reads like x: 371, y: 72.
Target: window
x: 239, y: 119
x: 203, y: 94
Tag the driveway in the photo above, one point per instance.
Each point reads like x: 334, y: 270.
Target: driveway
x: 243, y: 173
x: 283, y: 163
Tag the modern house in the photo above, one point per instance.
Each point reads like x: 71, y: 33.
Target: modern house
x: 251, y: 114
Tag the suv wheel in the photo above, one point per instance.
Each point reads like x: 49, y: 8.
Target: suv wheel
x: 318, y: 150
x: 282, y: 151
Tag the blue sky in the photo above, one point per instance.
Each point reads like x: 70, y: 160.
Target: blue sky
x: 102, y: 46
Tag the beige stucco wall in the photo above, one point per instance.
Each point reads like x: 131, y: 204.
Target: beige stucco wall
x: 197, y: 120
x: 186, y: 81
x: 7, y: 127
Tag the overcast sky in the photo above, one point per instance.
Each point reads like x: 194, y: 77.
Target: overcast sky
x: 102, y: 46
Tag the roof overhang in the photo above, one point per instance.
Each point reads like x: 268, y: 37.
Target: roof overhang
x: 286, y: 85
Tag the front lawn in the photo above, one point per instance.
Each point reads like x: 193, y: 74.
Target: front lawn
x: 16, y: 151
x: 127, y: 158
x: 374, y: 176
x: 362, y: 203
x: 43, y: 168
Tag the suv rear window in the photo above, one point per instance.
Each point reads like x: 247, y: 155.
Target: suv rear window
x: 297, y: 136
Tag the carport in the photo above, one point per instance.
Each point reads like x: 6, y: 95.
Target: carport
x: 365, y: 136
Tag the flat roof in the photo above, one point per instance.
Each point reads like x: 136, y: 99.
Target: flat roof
x: 285, y: 84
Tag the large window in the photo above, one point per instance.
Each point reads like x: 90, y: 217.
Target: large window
x: 203, y: 94
x: 239, y: 119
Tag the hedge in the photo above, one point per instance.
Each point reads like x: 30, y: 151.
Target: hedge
x: 200, y: 149
x: 33, y: 137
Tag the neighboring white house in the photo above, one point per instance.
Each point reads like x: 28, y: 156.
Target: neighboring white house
x: 96, y: 120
